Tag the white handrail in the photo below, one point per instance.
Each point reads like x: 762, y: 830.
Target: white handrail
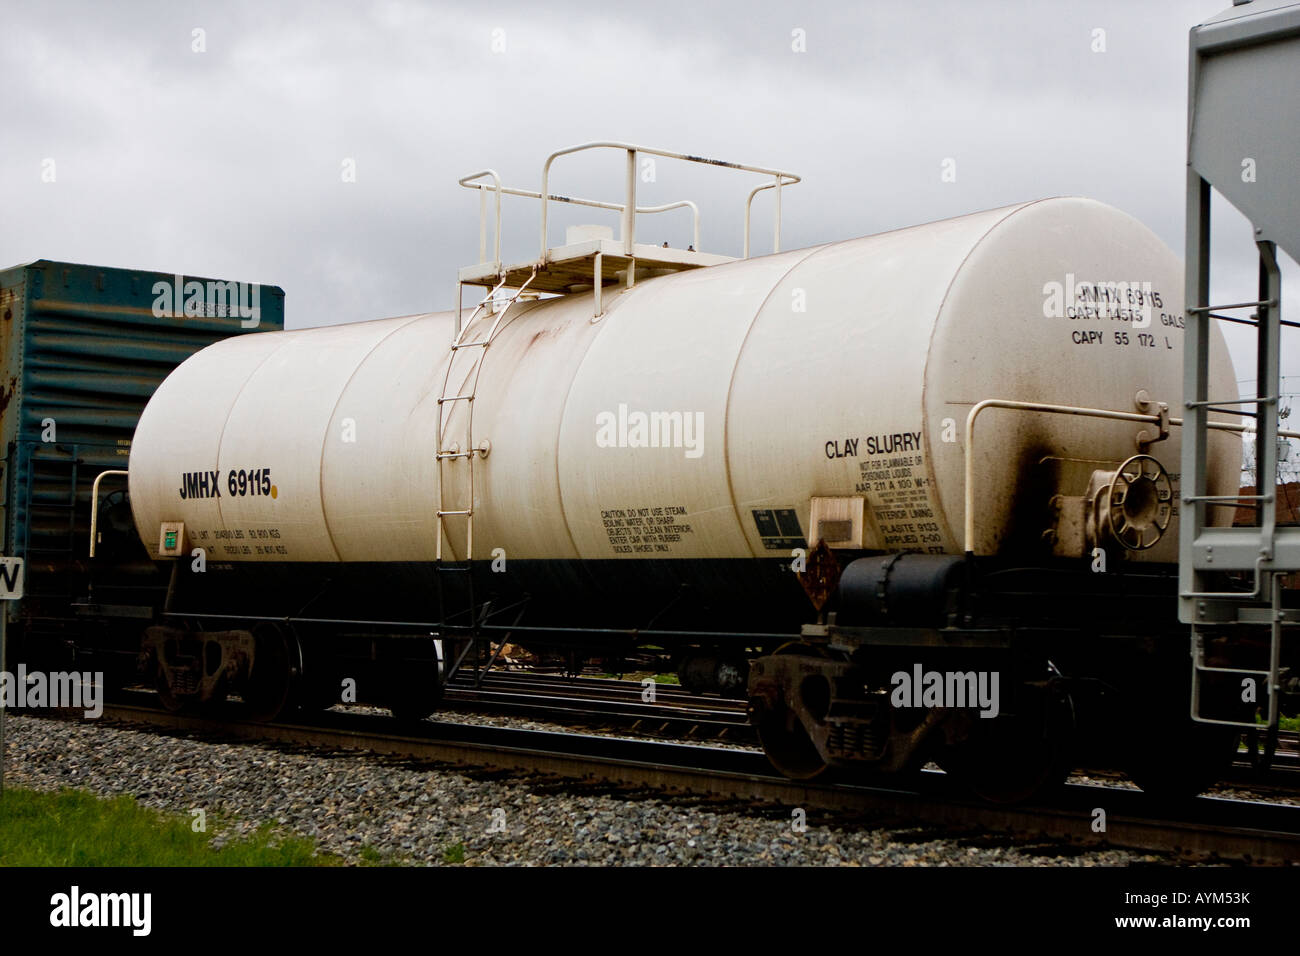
x: 775, y: 184
x: 468, y: 182
x: 629, y: 223
x: 484, y: 188
x: 969, y: 490
x: 94, y: 505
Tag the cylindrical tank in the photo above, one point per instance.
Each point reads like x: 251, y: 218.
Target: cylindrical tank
x: 698, y: 418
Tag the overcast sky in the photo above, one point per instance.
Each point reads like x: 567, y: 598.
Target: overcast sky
x: 223, y: 152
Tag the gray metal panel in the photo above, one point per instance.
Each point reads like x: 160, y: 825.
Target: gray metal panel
x: 1217, y: 549
x: 1247, y: 85
x: 1244, y: 83
x: 1242, y: 22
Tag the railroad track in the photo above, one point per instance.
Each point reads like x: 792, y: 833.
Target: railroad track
x: 1203, y: 829
x: 605, y: 703
x: 1287, y: 757
x: 617, y: 704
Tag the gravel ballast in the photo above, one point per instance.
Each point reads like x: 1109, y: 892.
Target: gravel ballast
x: 369, y: 808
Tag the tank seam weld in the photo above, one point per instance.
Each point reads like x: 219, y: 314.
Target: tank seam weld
x: 731, y: 384
x: 320, y: 458
x: 942, y: 514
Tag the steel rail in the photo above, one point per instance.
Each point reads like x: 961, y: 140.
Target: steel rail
x: 606, y: 704
x: 1203, y: 829
x: 604, y: 687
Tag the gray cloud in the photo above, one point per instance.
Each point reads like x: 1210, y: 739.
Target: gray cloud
x: 228, y: 162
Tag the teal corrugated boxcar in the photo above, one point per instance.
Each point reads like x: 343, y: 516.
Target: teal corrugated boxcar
x: 82, y: 348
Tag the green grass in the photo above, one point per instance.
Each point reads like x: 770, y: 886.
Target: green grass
x: 641, y: 675
x: 1283, y: 723
x: 454, y: 853
x: 76, y: 828
x: 1287, y: 724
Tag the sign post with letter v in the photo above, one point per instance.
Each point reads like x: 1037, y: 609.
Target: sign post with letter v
x: 11, y: 589
x: 11, y: 579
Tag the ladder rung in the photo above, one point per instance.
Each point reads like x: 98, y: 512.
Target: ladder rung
x: 1232, y: 723
x: 467, y: 511
x: 1234, y: 305
x: 1212, y: 404
x: 456, y: 398
x: 1203, y: 669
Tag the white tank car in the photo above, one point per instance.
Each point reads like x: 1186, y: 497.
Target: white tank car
x: 705, y: 414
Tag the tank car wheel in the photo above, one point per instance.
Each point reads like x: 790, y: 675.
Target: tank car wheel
x: 413, y: 709
x: 784, y: 738
x: 269, y: 689
x: 416, y: 691
x: 216, y: 703
x: 320, y: 696
x: 1175, y: 759
x: 170, y: 702
x: 1183, y: 761
x: 1009, y: 759
x: 789, y: 748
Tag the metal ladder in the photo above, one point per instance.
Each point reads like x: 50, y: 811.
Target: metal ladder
x: 1241, y: 78
x: 446, y: 403
x: 1273, y: 617
x: 1244, y: 608
x: 51, y: 500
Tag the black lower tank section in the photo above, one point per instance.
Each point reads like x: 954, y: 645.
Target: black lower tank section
x: 736, y: 596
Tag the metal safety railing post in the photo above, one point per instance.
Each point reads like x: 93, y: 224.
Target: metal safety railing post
x: 468, y: 182
x: 94, y: 505
x: 781, y: 178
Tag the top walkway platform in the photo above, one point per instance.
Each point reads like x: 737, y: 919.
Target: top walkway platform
x: 573, y: 268
x: 592, y: 258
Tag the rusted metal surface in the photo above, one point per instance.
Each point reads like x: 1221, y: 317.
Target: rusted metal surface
x: 197, y: 666
x: 820, y: 575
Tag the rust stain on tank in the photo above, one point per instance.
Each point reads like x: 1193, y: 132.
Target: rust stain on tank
x: 538, y: 336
